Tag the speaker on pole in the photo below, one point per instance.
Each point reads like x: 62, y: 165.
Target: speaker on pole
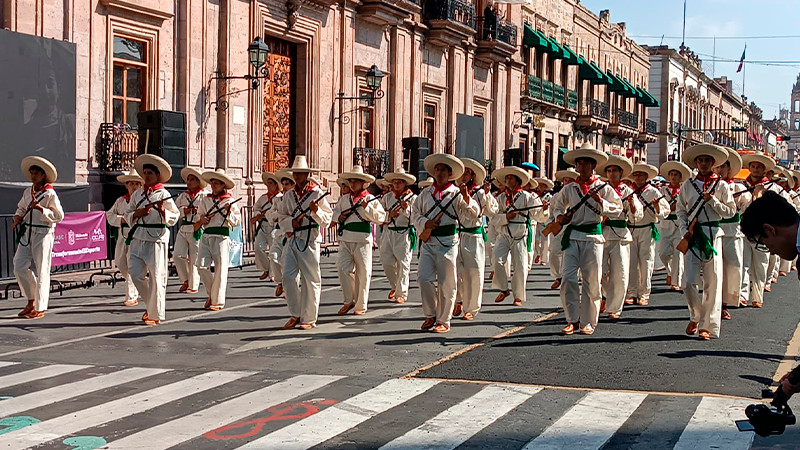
x: 415, y: 149
x: 163, y: 133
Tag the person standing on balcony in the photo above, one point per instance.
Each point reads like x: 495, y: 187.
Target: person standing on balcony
x: 580, y: 208
x: 264, y: 227
x: 217, y: 215
x: 703, y: 202
x: 302, y: 213
x: 566, y: 177
x: 38, y: 212
x: 435, y: 213
x: 471, y: 261
x: 278, y: 238
x: 355, y: 214
x: 186, y: 246
x: 151, y: 212
x: 115, y: 216
x: 645, y: 233
x: 676, y: 172
x: 544, y: 188
x: 490, y: 21
x: 399, y: 238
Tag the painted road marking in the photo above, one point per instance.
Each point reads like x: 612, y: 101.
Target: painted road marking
x: 713, y: 426
x: 38, y: 374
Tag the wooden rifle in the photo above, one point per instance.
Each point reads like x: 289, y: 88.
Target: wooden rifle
x: 555, y: 227
x: 683, y: 245
x: 752, y: 188
x: 425, y: 236
x: 307, y: 209
x: 343, y: 216
x: 215, y: 211
x: 34, y: 201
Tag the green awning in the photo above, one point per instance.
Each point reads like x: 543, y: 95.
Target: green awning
x: 617, y: 85
x: 556, y: 50
x: 561, y: 163
x: 535, y: 39
x: 607, y: 80
x: 648, y: 99
x: 588, y: 71
x: 570, y: 57
x: 632, y: 92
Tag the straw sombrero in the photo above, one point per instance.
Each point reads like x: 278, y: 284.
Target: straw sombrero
x: 651, y: 171
x: 383, y: 184
x: 358, y: 174
x: 545, y: 182
x: 499, y: 184
x: 586, y: 151
x: 300, y: 164
x: 567, y: 173
x: 220, y: 175
x: 619, y: 161
x: 164, y: 170
x: 735, y: 161
x: 284, y: 173
x: 522, y: 174
x: 669, y: 166
x: 426, y: 183
x: 719, y: 154
x: 786, y: 173
x: 451, y: 161
x: 270, y: 176
x: 50, y: 172
x: 124, y: 177
x: 400, y: 174
x: 476, y: 167
x: 747, y: 158
x: 341, y: 181
x: 186, y: 171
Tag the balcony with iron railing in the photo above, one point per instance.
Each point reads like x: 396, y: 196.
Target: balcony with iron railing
x: 623, y: 124
x: 551, y: 93
x: 497, y: 39
x: 594, y: 115
x: 388, y: 12
x: 116, y: 147
x: 449, y: 21
x: 650, y: 126
x: 376, y: 162
x: 649, y: 133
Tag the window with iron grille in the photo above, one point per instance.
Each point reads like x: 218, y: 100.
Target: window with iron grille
x: 129, y: 86
x: 429, y: 123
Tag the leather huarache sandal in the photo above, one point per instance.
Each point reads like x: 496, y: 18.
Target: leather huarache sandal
x: 291, y: 323
x: 502, y: 296
x: 346, y: 308
x: 428, y: 324
x: 441, y: 328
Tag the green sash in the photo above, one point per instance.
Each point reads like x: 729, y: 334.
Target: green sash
x: 475, y: 230
x: 358, y: 227
x: 615, y: 224
x: 154, y: 226
x: 702, y: 242
x: 588, y: 228
x: 529, y: 237
x: 313, y: 226
x: 735, y: 219
x: 412, y: 234
x: 218, y: 231
x: 672, y: 217
x: 444, y: 230
x: 654, y: 234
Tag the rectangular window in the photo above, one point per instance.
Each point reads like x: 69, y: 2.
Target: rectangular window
x: 130, y: 80
x: 429, y: 123
x: 366, y: 121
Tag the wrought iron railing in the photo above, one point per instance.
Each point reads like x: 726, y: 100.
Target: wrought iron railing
x: 453, y: 10
x: 628, y: 119
x: 572, y: 100
x: 650, y: 126
x: 533, y: 88
x: 117, y: 147
x: 496, y: 30
x: 596, y: 109
x: 375, y: 162
x: 559, y: 95
x: 674, y: 127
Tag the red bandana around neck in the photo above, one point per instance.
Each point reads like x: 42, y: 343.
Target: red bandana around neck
x: 674, y: 190
x: 310, y: 185
x: 585, y: 185
x: 193, y: 193
x: 439, y: 193
x: 127, y: 197
x: 511, y: 193
x: 398, y: 195
x: 272, y: 195
x: 618, y: 188
x: 220, y: 197
x: 155, y: 187
x: 359, y: 197
x: 761, y: 181
x: 707, y: 179
x: 46, y: 187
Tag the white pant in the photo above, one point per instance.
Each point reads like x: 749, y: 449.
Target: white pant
x: 36, y: 255
x: 643, y: 255
x: 302, y: 280
x: 542, y: 247
x: 785, y: 266
x: 755, y: 276
x: 437, y: 280
x: 216, y: 249
x: 152, y: 257
x: 355, y: 272
x: 276, y: 256
x: 184, y: 255
x: 396, y: 256
x: 121, y: 260
x: 671, y: 257
x: 732, y: 263
x: 263, y: 245
x: 582, y: 305
x: 706, y: 311
x: 556, y: 258
x: 772, y: 268
x: 470, y: 266
x: 518, y: 250
x: 616, y: 269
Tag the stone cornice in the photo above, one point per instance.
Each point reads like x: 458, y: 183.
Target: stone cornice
x: 137, y: 7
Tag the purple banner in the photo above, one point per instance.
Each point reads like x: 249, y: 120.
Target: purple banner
x: 79, y: 238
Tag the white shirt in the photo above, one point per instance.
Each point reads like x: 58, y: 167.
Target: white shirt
x: 210, y: 204
x: 372, y: 213
x: 115, y: 215
x: 51, y: 212
x: 390, y: 202
x: 140, y: 199
x: 291, y: 207
x: 720, y: 206
x: 646, y: 196
x: 187, y: 200
x: 590, y: 212
x: 426, y: 207
x: 627, y: 214
x: 265, y: 204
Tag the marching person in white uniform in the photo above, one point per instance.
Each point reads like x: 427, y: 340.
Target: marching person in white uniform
x: 732, y: 236
x: 115, y: 216
x: 184, y: 255
x: 645, y: 233
x: 617, y: 249
x: 303, y: 213
x: 399, y: 237
x: 566, y: 177
x: 705, y: 200
x: 471, y: 262
x: 278, y: 238
x: 435, y: 215
x: 580, y: 209
x: 492, y: 232
x: 38, y: 212
x: 517, y: 212
x: 676, y: 173
x: 264, y: 227
x: 542, y: 242
x: 355, y: 214
x: 151, y: 213
x: 217, y: 214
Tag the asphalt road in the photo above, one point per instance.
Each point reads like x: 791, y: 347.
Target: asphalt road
x: 88, y: 373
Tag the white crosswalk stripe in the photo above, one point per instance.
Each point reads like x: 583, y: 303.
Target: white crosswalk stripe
x: 442, y: 422
x: 343, y: 416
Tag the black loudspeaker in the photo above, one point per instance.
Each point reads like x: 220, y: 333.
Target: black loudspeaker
x: 512, y: 157
x: 415, y: 149
x: 163, y: 133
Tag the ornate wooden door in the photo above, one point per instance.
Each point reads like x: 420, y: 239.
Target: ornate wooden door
x: 279, y: 105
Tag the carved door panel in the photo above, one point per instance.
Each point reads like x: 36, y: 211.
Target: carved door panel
x: 279, y: 105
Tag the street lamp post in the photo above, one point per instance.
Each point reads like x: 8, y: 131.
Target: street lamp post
x: 374, y: 78
x: 257, y: 52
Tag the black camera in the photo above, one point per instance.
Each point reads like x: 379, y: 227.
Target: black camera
x: 768, y: 421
